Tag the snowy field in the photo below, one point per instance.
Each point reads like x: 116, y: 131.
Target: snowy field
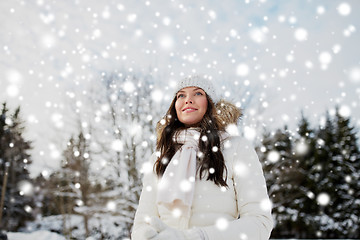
x: 46, y: 235
x: 38, y: 235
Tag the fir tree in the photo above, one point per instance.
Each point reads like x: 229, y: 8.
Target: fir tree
x: 312, y: 179
x: 305, y: 169
x: 339, y: 165
x: 276, y: 156
x: 16, y: 187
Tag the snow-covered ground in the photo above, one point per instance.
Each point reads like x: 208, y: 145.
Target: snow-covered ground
x: 101, y: 226
x: 46, y: 235
x: 37, y: 235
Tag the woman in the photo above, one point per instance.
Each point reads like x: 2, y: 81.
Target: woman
x: 205, y: 183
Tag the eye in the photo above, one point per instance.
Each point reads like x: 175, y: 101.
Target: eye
x: 181, y: 95
x: 199, y: 94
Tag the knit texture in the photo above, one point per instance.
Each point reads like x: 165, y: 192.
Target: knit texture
x: 198, y: 81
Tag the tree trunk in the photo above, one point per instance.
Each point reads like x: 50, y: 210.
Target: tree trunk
x: 3, y: 191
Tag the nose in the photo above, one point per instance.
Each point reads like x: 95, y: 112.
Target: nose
x: 188, y: 100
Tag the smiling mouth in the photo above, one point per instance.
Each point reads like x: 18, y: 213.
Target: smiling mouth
x: 189, y: 110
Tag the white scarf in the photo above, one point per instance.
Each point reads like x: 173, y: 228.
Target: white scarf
x: 178, y: 180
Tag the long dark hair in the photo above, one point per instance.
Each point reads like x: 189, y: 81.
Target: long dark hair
x: 211, y: 157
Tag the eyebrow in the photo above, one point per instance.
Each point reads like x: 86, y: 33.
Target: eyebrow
x: 197, y: 88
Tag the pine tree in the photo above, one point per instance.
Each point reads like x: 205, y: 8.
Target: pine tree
x: 349, y: 182
x: 16, y: 186
x: 326, y: 202
x: 339, y: 177
x: 312, y: 179
x: 305, y: 169
x: 277, y: 158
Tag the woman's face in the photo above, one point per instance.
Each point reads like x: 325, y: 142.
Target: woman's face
x: 191, y: 105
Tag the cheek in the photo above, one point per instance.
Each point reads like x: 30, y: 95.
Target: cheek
x: 177, y: 107
x: 204, y: 104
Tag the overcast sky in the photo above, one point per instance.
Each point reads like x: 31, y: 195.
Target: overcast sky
x: 290, y: 55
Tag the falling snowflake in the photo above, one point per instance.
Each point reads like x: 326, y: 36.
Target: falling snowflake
x: 12, y: 90
x: 26, y: 188
x: 336, y: 48
x: 301, y: 34
x: 273, y: 156
x: 176, y: 213
x: 48, y: 41
x: 222, y: 224
x: 345, y: 111
x: 249, y: 133
x: 354, y: 75
x: 310, y: 195
x: 28, y: 209
x: 185, y: 185
x: 348, y: 178
x: 320, y: 10
x: 325, y: 58
x: 157, y: 95
x: 131, y: 18
x: 242, y: 70
x: 258, y: 35
x: 57, y: 119
x: 166, y: 42
x: 232, y: 129
x: 128, y: 87
x: 111, y: 205
x: 344, y: 9
x: 240, y: 169
x: 117, y: 145
x: 266, y: 205
x: 323, y: 199
x: 301, y: 147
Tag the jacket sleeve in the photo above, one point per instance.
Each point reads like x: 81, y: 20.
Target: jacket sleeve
x: 147, y: 204
x: 253, y: 204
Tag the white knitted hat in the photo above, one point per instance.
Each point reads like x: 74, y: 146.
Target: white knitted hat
x: 198, y: 81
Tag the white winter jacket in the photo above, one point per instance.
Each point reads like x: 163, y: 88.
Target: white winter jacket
x: 241, y: 211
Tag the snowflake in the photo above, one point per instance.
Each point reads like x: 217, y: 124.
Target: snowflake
x: 25, y: 188
x: 258, y: 35
x: 301, y: 147
x: 111, y: 206
x: 354, y: 74
x: 241, y: 169
x: 128, y: 87
x: 242, y: 70
x: 222, y: 224
x: 166, y: 42
x: 273, y: 156
x: 12, y: 90
x: 325, y: 58
x: 249, y: 133
x: 301, y: 34
x: 266, y: 205
x: 345, y: 111
x: 117, y: 145
x: 323, y: 199
x: 344, y: 9
x: 185, y: 185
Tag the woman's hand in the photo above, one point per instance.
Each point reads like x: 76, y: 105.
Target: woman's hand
x: 164, y: 232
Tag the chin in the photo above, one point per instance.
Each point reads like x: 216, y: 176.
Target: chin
x: 196, y: 124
